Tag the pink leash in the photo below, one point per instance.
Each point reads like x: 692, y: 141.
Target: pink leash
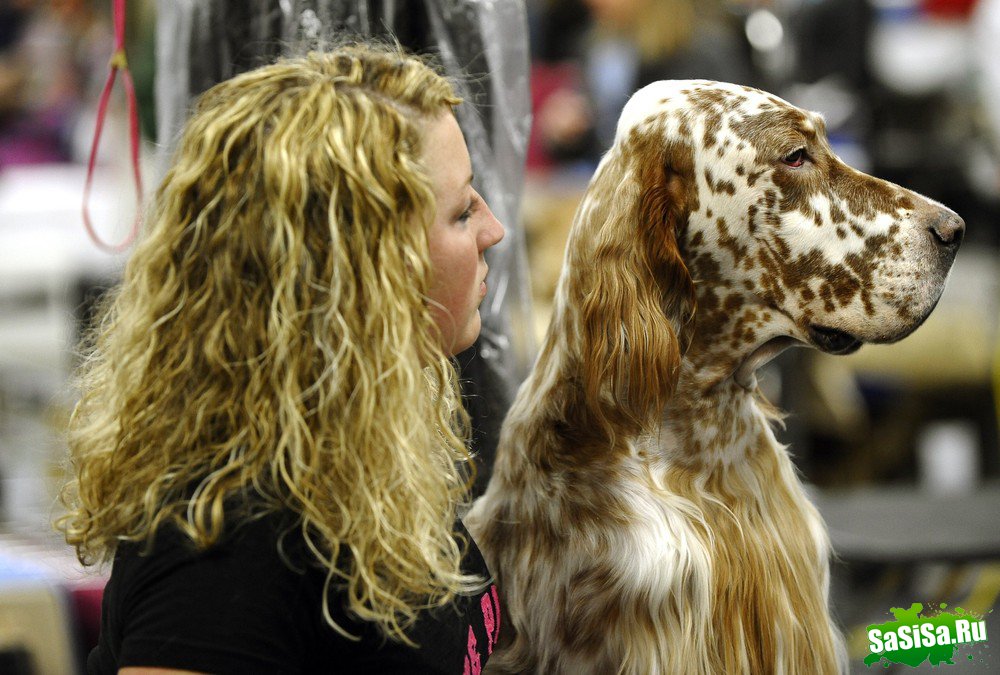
x: 117, y: 63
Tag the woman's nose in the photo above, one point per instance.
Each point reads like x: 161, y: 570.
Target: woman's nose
x: 492, y: 231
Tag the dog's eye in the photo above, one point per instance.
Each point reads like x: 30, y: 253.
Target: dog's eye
x: 795, y: 159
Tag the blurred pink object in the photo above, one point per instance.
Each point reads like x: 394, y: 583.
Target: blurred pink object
x: 547, y: 79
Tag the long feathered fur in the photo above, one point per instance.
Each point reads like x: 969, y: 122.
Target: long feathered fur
x: 642, y: 517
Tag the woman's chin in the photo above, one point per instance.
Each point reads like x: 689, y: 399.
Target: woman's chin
x: 467, y: 336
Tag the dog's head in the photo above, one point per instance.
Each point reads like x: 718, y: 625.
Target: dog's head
x: 735, y: 197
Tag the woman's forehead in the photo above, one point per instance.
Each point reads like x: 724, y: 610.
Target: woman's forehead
x: 445, y: 153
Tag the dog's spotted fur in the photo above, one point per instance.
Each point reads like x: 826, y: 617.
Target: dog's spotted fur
x: 641, y: 517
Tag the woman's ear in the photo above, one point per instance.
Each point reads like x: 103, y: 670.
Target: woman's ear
x: 636, y: 294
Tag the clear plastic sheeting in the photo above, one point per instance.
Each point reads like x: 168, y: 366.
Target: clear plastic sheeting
x: 483, y: 46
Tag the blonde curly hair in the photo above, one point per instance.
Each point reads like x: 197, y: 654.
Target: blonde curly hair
x: 271, y: 344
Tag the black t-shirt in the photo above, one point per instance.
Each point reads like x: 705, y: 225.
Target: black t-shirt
x: 240, y: 608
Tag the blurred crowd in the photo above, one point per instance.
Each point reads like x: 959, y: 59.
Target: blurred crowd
x: 910, y: 88
x: 53, y: 61
x: 52, y: 55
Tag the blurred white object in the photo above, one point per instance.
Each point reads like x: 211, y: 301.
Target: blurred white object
x: 918, y: 55
x: 986, y: 52
x: 948, y: 457
x: 764, y: 30
x: 44, y: 253
x: 41, y: 227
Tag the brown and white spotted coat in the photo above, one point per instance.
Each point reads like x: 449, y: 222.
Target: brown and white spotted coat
x: 641, y: 517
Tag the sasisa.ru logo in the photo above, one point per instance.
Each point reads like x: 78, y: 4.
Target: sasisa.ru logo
x: 914, y: 638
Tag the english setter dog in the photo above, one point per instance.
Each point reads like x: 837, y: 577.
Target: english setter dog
x: 642, y: 518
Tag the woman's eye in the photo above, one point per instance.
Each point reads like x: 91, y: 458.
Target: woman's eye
x: 795, y: 159
x: 464, y: 217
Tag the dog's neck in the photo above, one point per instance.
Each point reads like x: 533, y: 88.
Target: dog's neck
x: 732, y: 354
x: 717, y: 414
x: 710, y: 420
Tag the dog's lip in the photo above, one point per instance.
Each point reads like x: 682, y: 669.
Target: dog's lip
x: 745, y: 373
x: 828, y: 340
x: 833, y: 340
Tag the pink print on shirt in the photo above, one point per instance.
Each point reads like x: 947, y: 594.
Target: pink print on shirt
x: 490, y: 604
x: 472, y: 664
x: 491, y: 618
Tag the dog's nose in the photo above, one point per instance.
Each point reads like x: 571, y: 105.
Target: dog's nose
x: 948, y: 229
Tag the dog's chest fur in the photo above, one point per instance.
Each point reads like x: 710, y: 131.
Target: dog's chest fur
x: 716, y: 566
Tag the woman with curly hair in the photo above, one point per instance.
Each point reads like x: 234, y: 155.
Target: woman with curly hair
x: 270, y: 443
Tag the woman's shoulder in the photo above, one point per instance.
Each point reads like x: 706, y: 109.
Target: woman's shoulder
x: 245, y: 534
x: 249, y: 599
x: 263, y: 553
x: 254, y: 599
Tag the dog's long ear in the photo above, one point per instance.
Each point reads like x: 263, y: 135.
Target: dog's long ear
x: 637, y: 298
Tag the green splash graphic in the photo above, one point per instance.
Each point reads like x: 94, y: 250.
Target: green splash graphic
x: 914, y: 638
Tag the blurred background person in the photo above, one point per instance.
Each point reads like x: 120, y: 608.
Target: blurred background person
x: 50, y: 55
x: 625, y: 45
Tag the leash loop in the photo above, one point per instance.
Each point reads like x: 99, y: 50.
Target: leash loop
x: 117, y: 64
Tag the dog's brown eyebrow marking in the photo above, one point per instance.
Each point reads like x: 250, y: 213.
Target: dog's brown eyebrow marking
x: 773, y: 131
